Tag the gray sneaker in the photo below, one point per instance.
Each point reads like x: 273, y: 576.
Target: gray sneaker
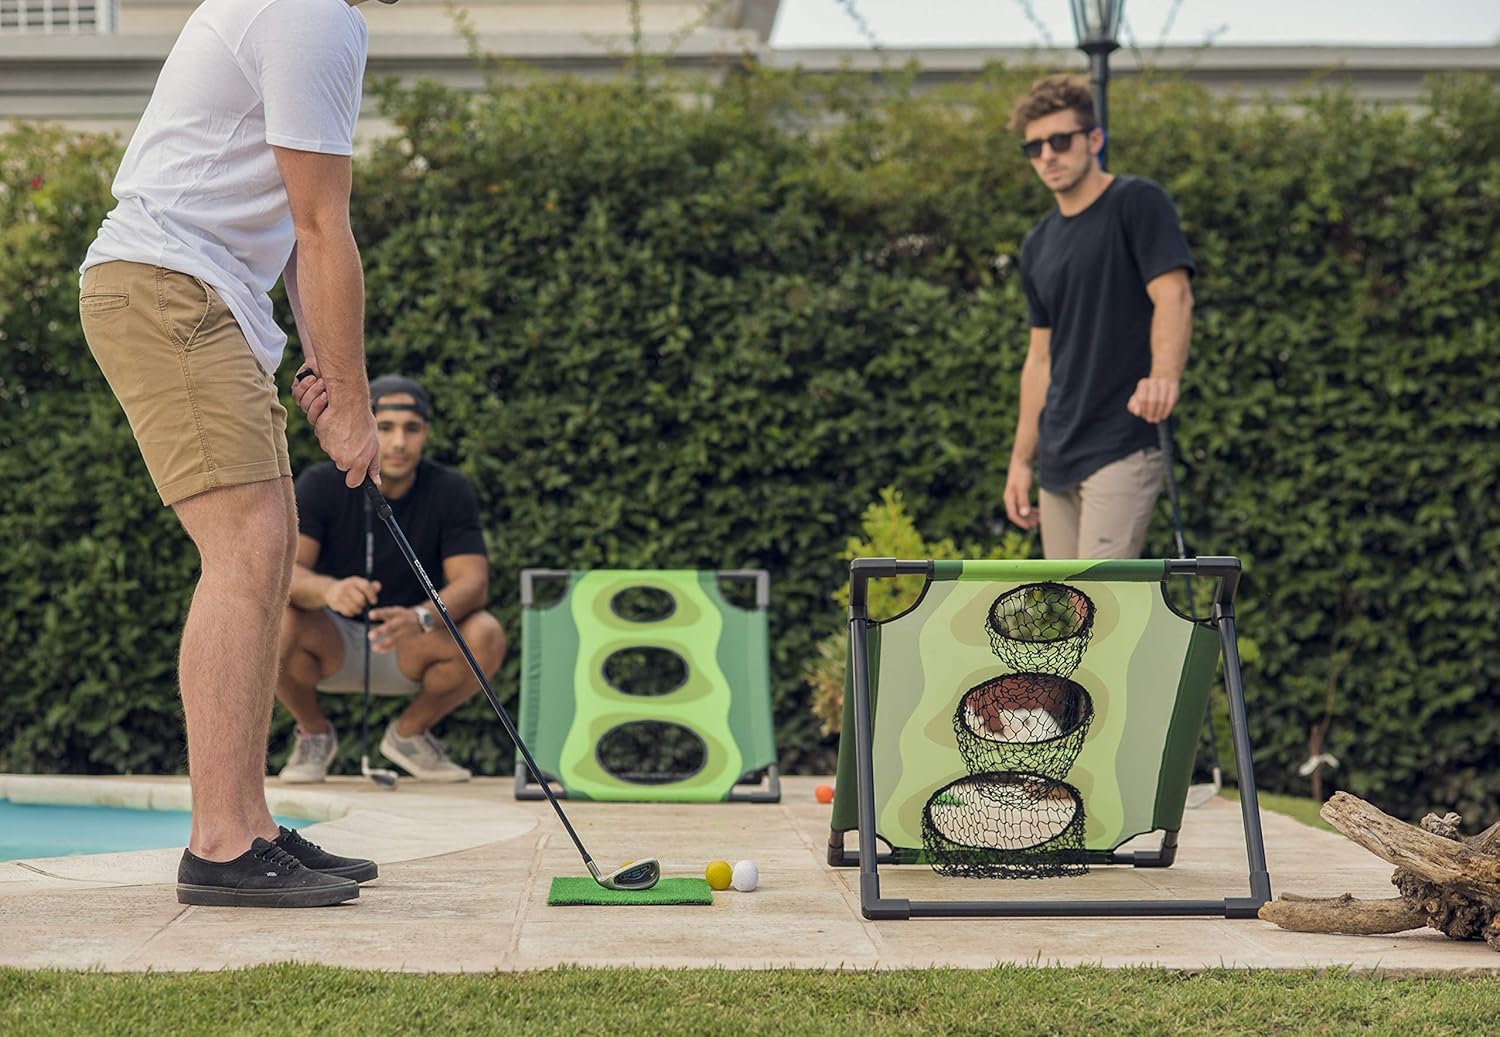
x: 423, y: 756
x: 310, y: 757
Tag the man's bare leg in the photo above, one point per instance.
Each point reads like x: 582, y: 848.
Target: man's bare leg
x: 310, y: 650
x: 245, y: 536
x: 447, y: 681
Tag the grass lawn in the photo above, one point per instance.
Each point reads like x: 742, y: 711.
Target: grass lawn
x: 306, y: 999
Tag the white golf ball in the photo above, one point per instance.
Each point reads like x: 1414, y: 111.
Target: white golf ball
x: 746, y: 876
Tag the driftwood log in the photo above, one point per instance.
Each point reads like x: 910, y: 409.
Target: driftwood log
x: 1448, y: 883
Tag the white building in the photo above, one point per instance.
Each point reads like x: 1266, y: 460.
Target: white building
x: 91, y: 64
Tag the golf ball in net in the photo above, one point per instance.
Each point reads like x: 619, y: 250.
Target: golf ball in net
x: 746, y: 876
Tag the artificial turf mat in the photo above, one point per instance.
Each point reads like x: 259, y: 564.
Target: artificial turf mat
x: 568, y: 892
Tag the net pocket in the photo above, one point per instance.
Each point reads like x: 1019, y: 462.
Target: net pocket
x: 1031, y: 722
x: 1004, y: 824
x: 1041, y: 628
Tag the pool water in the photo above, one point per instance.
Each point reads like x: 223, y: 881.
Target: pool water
x: 47, y: 830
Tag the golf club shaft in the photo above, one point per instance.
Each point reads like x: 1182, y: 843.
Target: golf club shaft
x: 1164, y: 440
x: 383, y: 508
x: 364, y: 745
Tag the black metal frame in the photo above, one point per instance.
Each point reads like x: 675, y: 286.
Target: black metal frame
x: 1227, y: 572
x: 766, y: 791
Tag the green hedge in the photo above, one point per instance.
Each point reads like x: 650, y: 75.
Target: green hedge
x: 707, y: 333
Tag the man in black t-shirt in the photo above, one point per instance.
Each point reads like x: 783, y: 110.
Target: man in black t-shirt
x: 1110, y: 306
x: 323, y: 628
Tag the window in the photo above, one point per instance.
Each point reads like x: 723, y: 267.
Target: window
x: 58, y: 16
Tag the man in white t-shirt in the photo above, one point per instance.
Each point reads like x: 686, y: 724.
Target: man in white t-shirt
x: 239, y: 174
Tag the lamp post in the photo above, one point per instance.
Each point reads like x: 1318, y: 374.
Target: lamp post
x: 1097, y: 25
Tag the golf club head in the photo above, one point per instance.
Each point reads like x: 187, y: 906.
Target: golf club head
x: 379, y: 775
x: 641, y: 874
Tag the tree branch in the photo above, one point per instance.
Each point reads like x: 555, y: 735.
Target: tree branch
x: 1345, y: 915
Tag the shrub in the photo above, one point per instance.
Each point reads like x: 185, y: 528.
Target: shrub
x: 889, y: 532
x: 707, y: 334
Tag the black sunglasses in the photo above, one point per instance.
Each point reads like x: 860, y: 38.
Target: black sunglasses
x: 1060, y: 143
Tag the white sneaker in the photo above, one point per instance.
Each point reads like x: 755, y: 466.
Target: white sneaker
x: 310, y: 757
x: 423, y: 756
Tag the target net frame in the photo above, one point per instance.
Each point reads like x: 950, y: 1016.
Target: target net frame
x: 1027, y: 719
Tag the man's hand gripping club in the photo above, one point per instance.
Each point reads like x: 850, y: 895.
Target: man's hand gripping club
x: 345, y: 431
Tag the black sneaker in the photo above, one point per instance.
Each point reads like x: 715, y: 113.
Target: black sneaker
x: 263, y: 876
x: 318, y: 859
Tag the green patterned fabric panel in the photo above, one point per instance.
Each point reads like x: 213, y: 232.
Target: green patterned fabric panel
x: 1029, y: 570
x: 725, y: 700
x: 1132, y: 669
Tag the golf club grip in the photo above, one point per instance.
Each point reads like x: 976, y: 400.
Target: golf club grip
x: 383, y: 509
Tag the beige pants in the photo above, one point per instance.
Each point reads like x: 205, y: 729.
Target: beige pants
x: 1107, y: 514
x: 203, y: 412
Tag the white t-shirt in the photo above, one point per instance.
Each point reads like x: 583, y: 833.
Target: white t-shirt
x: 199, y: 190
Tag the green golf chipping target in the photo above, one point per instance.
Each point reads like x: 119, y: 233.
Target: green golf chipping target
x: 1095, y: 683
x: 646, y: 685
x: 1027, y: 719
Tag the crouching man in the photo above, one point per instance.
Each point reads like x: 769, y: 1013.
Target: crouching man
x: 411, y: 652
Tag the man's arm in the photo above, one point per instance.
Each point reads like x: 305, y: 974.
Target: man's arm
x: 312, y: 590
x: 466, y: 590
x: 1036, y: 376
x: 313, y: 397
x: 294, y: 299
x: 1171, y: 331
x: 330, y: 293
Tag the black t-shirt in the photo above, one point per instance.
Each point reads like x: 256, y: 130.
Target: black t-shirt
x: 1085, y: 278
x: 439, y: 515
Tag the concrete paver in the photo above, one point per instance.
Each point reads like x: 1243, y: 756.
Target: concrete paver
x: 465, y: 871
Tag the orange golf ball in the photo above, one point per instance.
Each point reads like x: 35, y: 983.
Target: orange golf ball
x: 824, y: 793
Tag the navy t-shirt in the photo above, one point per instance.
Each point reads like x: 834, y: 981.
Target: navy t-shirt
x: 439, y: 515
x: 1085, y: 278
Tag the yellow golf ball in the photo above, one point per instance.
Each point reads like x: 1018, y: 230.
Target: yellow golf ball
x: 719, y: 874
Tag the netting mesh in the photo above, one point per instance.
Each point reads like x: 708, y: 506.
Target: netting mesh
x: 1041, y: 628
x: 1004, y: 824
x: 1033, y: 722
x: 1019, y: 734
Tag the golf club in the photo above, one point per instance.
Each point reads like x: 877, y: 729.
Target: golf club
x: 1164, y: 441
x: 642, y: 874
x: 1197, y: 794
x: 386, y: 779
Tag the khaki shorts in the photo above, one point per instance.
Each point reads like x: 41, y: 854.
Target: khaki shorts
x: 203, y: 412
x: 386, y: 677
x: 1107, y: 514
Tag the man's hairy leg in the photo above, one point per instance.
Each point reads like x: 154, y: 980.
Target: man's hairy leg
x: 245, y: 537
x: 447, y: 681
x: 310, y: 649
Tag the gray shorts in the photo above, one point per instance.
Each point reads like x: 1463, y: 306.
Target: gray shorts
x: 385, y: 677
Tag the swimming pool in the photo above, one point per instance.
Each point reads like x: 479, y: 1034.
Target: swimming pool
x: 49, y: 830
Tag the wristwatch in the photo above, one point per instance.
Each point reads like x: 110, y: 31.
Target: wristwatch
x: 425, y: 617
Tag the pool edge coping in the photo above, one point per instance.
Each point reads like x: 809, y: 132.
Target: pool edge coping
x: 401, y: 826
